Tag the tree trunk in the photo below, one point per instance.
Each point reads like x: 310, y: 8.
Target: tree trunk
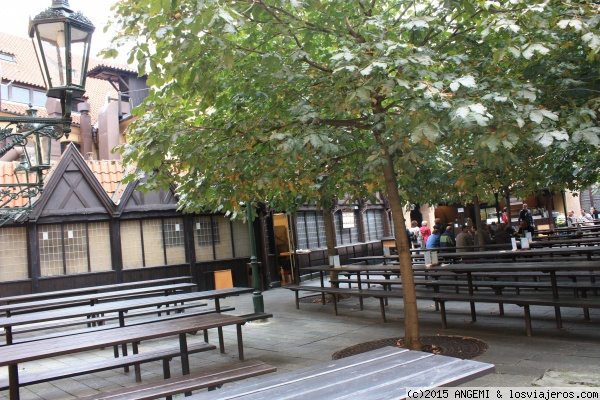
x: 330, y: 238
x: 479, y: 224
x: 507, y: 198
x: 411, y: 316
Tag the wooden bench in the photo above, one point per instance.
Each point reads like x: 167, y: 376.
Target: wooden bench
x: 95, y: 298
x: 256, y: 316
x: 91, y: 289
x: 379, y: 294
x: 111, y: 326
x: 210, y: 379
x: 30, y: 378
x: 522, y: 301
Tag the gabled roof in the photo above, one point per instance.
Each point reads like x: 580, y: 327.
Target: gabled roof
x: 26, y: 71
x: 72, y: 189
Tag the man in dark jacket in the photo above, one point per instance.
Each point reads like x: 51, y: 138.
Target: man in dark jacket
x: 525, y: 215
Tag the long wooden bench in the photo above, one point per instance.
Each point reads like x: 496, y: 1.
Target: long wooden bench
x: 95, y: 298
x: 522, y: 301
x: 111, y: 326
x: 30, y: 378
x: 382, y: 295
x: 91, y: 289
x: 498, y: 286
x: 199, y: 380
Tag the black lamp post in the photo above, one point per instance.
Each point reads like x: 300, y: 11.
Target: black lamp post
x: 62, y: 41
x: 257, y: 298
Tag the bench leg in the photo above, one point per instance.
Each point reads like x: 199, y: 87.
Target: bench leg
x: 206, y: 335
x: 443, y: 314
x: 527, y: 320
x: 335, y: 304
x: 124, y: 352
x: 221, y: 340
x: 297, y: 299
x: 166, y: 368
x: 136, y: 367
x: 360, y: 301
x: 382, y: 307
x: 473, y: 315
x: 558, y: 317
x: 586, y: 314
x: 240, y: 342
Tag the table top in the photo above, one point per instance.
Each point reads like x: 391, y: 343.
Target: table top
x: 379, y: 374
x: 91, y: 289
x: 116, y: 306
x: 522, y: 253
x: 355, y: 268
x: 548, y: 266
x: 557, y: 265
x: 21, y: 352
x: 95, y: 297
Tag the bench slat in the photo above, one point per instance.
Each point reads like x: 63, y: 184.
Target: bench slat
x: 112, y: 326
x: 207, y: 379
x: 30, y: 378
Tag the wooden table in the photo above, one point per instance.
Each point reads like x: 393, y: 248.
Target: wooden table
x: 383, y: 374
x: 15, y: 354
x: 588, y: 251
x: 120, y: 307
x: 548, y: 267
x: 385, y: 269
x: 94, y: 298
x: 91, y: 289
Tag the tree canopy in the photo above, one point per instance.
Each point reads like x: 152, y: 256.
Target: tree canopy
x: 285, y: 101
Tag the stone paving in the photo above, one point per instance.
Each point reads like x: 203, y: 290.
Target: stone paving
x: 294, y: 339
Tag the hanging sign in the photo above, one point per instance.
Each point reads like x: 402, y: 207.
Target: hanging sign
x: 347, y: 219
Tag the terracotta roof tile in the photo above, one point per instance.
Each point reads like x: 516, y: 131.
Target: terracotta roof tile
x: 7, y: 176
x: 109, y: 174
x: 26, y: 71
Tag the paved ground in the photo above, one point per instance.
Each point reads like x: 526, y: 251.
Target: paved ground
x: 295, y: 339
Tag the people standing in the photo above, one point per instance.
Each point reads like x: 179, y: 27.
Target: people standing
x: 505, y: 215
x: 416, y: 237
x: 425, y: 231
x: 525, y: 215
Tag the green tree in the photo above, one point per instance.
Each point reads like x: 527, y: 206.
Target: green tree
x: 251, y: 99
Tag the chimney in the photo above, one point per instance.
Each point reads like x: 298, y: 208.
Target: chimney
x: 85, y: 128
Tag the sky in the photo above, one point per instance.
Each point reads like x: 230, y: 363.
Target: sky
x: 15, y: 18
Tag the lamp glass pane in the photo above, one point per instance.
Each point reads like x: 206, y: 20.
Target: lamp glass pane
x: 53, y: 51
x: 80, y: 42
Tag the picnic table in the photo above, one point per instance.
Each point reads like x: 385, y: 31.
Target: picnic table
x: 551, y: 268
x: 547, y: 252
x: 383, y: 374
x: 92, y: 289
x: 94, y: 298
x: 121, y: 307
x: 15, y: 354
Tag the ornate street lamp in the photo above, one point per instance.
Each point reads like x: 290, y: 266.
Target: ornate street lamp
x: 62, y: 40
